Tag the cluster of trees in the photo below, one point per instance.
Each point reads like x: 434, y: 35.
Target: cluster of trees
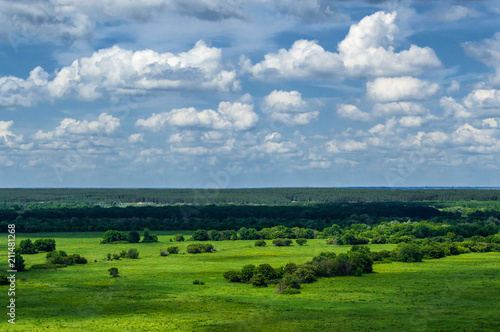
x: 28, y: 247
x: 355, y: 262
x: 357, y: 233
x: 59, y: 258
x: 113, y: 236
x: 200, y: 248
x: 131, y: 253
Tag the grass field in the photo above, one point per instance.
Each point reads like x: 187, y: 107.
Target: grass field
x: 456, y: 293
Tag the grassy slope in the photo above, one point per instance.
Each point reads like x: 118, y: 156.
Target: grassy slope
x: 156, y: 293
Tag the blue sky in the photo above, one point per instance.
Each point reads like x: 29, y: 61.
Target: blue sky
x: 236, y: 93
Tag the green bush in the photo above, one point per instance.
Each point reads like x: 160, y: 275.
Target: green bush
x: 200, y: 235
x: 163, y: 252
x: 77, y: 259
x: 292, y: 280
x: 132, y: 253
x: 408, y: 252
x: 290, y: 268
x: 111, y: 236
x: 200, y: 248
x: 113, y: 272
x: 266, y: 270
x: 134, y: 237
x: 27, y: 247
x: 247, y: 272
x: 301, y: 242
x: 232, y: 276
x: 179, y: 237
x: 198, y: 282
x: 260, y: 243
x: 434, y: 250
x: 45, y: 245
x: 173, y: 250
x: 55, y: 257
x: 147, y: 237
x: 282, y: 242
x: 3, y: 279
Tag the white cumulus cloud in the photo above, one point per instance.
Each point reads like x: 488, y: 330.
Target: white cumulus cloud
x: 388, y: 89
x: 351, y: 112
x: 288, y: 107
x: 237, y: 116
x: 367, y: 50
x: 105, y: 124
x: 115, y: 71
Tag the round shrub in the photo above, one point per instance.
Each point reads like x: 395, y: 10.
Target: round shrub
x: 132, y: 253
x: 173, y: 250
x: 27, y: 247
x: 409, y: 253
x: 260, y: 243
x: 114, y: 272
x: 301, y: 242
x: 179, y: 237
x: 232, y: 276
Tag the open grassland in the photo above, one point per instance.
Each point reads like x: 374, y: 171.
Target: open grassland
x: 456, y: 293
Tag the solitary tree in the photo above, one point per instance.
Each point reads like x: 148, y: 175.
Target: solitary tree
x: 114, y: 272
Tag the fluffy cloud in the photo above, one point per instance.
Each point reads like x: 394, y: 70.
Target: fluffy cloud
x: 367, y: 50
x: 483, y: 99
x: 351, y: 112
x: 237, y: 116
x: 288, y: 107
x: 5, y: 134
x: 105, y: 124
x: 488, y: 52
x: 136, y: 138
x: 305, y: 59
x: 476, y: 140
x: 492, y: 123
x: 452, y: 108
x: 400, y: 88
x: 16, y: 91
x: 115, y: 71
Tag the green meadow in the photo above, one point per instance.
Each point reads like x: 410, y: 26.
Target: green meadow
x: 155, y: 293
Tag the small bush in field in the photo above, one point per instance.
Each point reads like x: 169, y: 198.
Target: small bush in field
x: 198, y: 282
x: 260, y: 243
x: 301, y: 242
x: 132, y: 253
x: 200, y: 248
x: 163, y: 252
x: 114, y: 272
x: 173, y: 250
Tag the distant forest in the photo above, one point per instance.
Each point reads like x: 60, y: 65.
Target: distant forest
x: 265, y: 196
x: 77, y: 210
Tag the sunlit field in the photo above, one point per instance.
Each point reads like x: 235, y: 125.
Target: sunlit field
x: 157, y: 293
